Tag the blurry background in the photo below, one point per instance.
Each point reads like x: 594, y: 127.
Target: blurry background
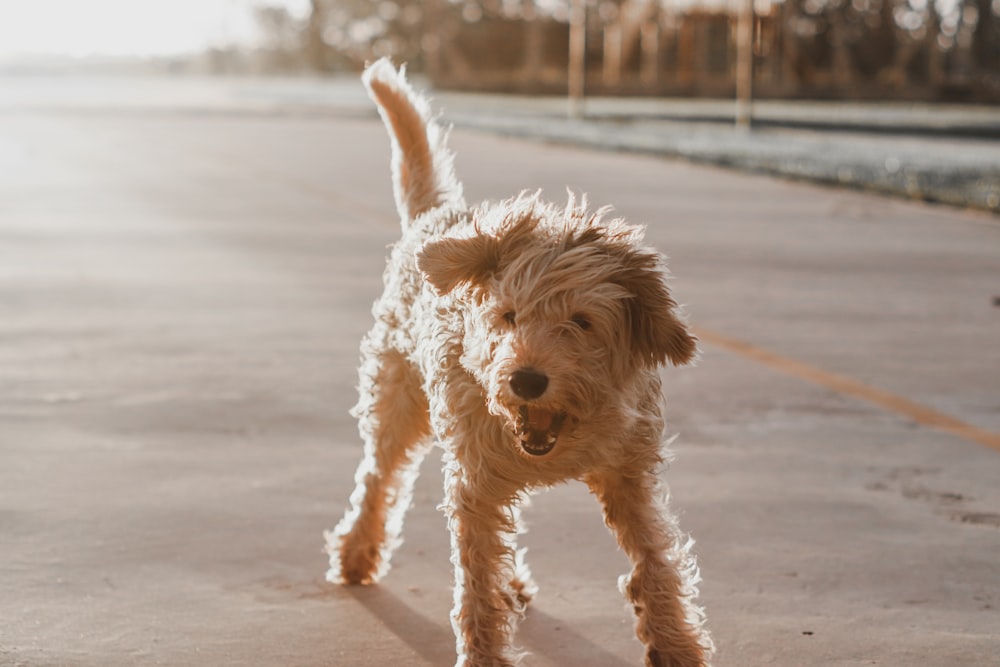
x: 927, y: 50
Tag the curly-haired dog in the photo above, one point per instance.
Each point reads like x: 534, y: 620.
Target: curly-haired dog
x: 524, y: 340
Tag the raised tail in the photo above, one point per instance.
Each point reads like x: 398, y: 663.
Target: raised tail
x: 423, y: 175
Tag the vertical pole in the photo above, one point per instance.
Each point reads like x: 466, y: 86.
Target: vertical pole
x: 744, y: 65
x: 577, y: 56
x: 613, y: 55
x: 649, y: 41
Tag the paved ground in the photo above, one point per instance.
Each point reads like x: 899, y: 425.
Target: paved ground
x: 936, y: 153
x: 181, y: 296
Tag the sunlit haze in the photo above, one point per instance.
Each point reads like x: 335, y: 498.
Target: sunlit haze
x: 126, y: 27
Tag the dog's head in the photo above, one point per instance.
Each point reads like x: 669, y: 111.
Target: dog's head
x: 562, y: 311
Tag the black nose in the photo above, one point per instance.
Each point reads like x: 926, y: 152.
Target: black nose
x: 528, y: 383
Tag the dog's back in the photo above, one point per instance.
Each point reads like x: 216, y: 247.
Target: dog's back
x: 422, y: 166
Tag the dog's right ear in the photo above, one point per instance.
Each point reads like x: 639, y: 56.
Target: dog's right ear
x: 452, y: 261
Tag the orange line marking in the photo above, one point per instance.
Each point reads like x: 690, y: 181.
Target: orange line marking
x: 844, y: 385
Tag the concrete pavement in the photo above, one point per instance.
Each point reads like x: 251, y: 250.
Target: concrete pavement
x: 182, y: 292
x: 948, y: 154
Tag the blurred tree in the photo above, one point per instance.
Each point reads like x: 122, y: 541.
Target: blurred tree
x: 986, y: 36
x: 826, y: 48
x: 910, y: 46
x: 280, y: 38
x: 317, y: 52
x: 360, y: 30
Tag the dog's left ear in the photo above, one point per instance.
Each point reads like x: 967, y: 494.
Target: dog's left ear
x: 658, y: 333
x: 449, y: 262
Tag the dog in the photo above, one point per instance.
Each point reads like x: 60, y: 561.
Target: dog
x: 525, y: 340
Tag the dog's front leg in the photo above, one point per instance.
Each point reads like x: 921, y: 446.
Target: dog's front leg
x: 393, y: 421
x: 482, y: 525
x: 662, y: 584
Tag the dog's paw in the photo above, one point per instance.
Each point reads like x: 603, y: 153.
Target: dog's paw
x: 525, y: 590
x: 352, y: 562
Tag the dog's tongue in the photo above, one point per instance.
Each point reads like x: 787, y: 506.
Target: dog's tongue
x: 539, y: 429
x: 539, y: 420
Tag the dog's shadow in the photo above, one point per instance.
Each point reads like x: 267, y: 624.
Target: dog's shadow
x: 432, y: 642
x: 539, y: 633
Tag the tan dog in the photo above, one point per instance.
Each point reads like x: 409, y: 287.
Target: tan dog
x: 525, y: 341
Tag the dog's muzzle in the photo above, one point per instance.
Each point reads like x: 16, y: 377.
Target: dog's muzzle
x: 538, y: 429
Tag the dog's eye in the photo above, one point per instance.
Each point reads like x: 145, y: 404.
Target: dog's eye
x: 509, y: 317
x: 581, y: 320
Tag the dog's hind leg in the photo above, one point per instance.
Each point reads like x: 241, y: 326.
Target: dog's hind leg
x: 662, y: 584
x: 393, y: 420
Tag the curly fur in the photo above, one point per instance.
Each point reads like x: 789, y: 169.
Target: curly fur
x: 524, y: 339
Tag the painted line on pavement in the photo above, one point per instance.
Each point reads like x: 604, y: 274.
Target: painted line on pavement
x: 919, y: 413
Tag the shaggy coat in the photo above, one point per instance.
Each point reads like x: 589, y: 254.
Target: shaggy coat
x: 525, y: 340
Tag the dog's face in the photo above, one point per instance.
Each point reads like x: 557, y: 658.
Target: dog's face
x: 561, y: 312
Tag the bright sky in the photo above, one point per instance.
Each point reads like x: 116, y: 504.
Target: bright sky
x: 126, y: 27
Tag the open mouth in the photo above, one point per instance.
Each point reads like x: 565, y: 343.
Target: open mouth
x: 538, y: 429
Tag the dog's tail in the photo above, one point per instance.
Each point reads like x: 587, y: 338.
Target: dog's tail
x: 423, y: 175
